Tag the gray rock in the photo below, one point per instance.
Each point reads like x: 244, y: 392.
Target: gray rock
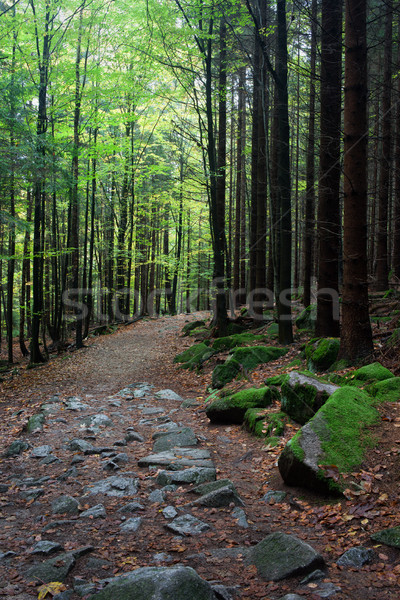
x: 152, y: 410
x: 162, y: 557
x: 157, y: 583
x: 46, y: 547
x: 41, y: 451
x: 316, y: 575
x: 32, y: 493
x: 156, y: 497
x: 58, y: 524
x: 96, y: 421
x: 275, y: 495
x: 188, y: 525
x: 131, y: 525
x: 65, y: 505
x: 223, y: 496
x: 182, y: 438
x: 326, y: 589
x: 16, y: 447
x: 191, y: 475
x: 280, y: 555
x: 168, y: 395
x: 303, y: 396
x: 120, y: 443
x: 170, y: 512
x: 177, y: 458
x: 110, y: 465
x: 72, y: 472
x: 189, y: 403
x: 95, y: 512
x: 114, y: 486
x: 212, y: 486
x: 131, y: 507
x: 356, y: 557
x: 35, y: 423
x: 77, y: 460
x: 32, y: 481
x: 6, y: 555
x: 133, y: 436
x: 50, y: 459
x: 239, y: 514
x: 292, y: 597
x: 57, y: 568
x: 79, y: 445
x: 222, y: 592
x: 74, y: 403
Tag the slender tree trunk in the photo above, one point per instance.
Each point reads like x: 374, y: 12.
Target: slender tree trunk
x: 396, y: 207
x: 356, y: 335
x: 327, y: 324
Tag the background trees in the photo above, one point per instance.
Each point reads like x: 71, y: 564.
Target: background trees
x: 151, y: 154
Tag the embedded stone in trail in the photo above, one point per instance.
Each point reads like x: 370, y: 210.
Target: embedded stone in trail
x: 188, y: 525
x: 16, y: 447
x: 65, y: 504
x: 191, y: 475
x: 182, y: 438
x: 95, y: 421
x: 95, y: 512
x: 114, y: 486
x: 75, y: 403
x: 177, y: 458
x: 35, y: 423
x: 57, y: 568
x: 168, y: 395
x: 41, y: 451
x: 133, y: 436
x: 46, y: 547
x: 157, y: 583
x: 280, y: 555
x: 131, y: 525
x: 390, y: 537
x: 223, y: 496
x: 356, y: 557
x: 79, y: 445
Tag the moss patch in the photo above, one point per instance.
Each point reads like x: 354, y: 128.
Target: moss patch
x: 194, y: 356
x: 306, y: 319
x: 390, y: 537
x: 262, y: 423
x: 239, y: 339
x: 225, y: 373
x: 373, y: 372
x: 191, y: 326
x: 322, y: 353
x: 277, y: 380
x: 303, y: 396
x: 232, y: 409
x: 387, y: 390
x: 256, y: 355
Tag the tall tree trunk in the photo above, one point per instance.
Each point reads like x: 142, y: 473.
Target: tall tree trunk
x: 240, y: 214
x: 356, y: 335
x: 396, y: 207
x: 382, y: 262
x: 328, y: 324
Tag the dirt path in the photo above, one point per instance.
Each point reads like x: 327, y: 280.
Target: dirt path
x: 95, y: 376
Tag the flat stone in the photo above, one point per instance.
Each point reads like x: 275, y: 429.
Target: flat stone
x: 157, y: 583
x: 188, y: 525
x: 32, y: 493
x: 356, y: 557
x: 131, y: 507
x: 177, y: 458
x: 72, y: 472
x: 65, y: 505
x: 239, y: 514
x: 96, y: 421
x: 162, y: 557
x: 191, y: 475
x: 274, y: 495
x: 133, y: 436
x: 217, y: 498
x: 168, y: 395
x: 78, y: 445
x: 152, y: 410
x: 156, y: 497
x: 181, y: 438
x: 41, y: 451
x: 77, y: 460
x: 6, y: 555
x: 132, y: 524
x: 279, y: 556
x: 58, y: 524
x: 212, y: 486
x: 390, y: 537
x: 46, y: 547
x: 50, y: 459
x: 170, y: 512
x: 57, y: 568
x: 16, y: 448
x: 95, y: 512
x: 74, y: 403
x: 114, y: 486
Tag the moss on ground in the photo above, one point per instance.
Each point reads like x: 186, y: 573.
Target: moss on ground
x: 321, y: 353
x: 387, y: 390
x: 189, y: 327
x: 306, y: 319
x: 262, y: 423
x: 194, y: 356
x: 239, y: 339
x: 373, y: 372
x: 232, y: 409
x: 277, y: 380
x: 251, y: 357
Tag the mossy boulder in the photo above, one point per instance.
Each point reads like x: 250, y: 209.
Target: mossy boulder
x: 234, y: 328
x: 306, y: 319
x: 253, y: 356
x: 273, y: 331
x: 189, y: 327
x: 35, y: 422
x: 239, y: 339
x: 232, y: 409
x: 264, y: 423
x: 303, y: 396
x: 321, y: 353
x: 277, y: 380
x: 389, y: 537
x: 225, y: 373
x: 387, y: 390
x: 194, y: 356
x: 334, y: 441
x: 371, y: 373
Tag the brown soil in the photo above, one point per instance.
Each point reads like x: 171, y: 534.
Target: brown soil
x: 144, y: 352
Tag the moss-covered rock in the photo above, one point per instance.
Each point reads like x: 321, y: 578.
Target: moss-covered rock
x: 262, y: 422
x: 306, y: 319
x: 239, y: 339
x: 225, y: 373
x: 373, y: 372
x: 273, y: 331
x: 334, y: 441
x: 303, y: 396
x: 189, y: 327
x: 232, y: 409
x: 253, y: 356
x: 35, y: 422
x: 194, y: 356
x: 321, y: 353
x: 276, y: 380
x: 389, y: 537
x: 234, y: 328
x: 387, y: 390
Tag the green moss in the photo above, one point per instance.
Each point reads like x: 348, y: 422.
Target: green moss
x: 225, y: 373
x: 272, y: 441
x: 277, y: 380
x: 256, y: 355
x: 294, y: 445
x: 387, y: 390
x: 390, y: 537
x: 239, y: 339
x: 273, y: 331
x: 394, y: 339
x: 306, y: 319
x: 373, y: 372
x: 322, y: 353
x: 261, y: 422
x: 191, y: 326
x: 341, y: 425
x: 297, y: 362
x: 232, y: 409
x: 235, y: 328
x: 194, y: 356
x: 302, y: 400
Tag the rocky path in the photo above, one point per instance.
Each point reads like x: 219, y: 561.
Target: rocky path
x: 117, y: 471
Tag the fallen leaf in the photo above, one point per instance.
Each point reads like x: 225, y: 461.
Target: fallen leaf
x: 52, y: 588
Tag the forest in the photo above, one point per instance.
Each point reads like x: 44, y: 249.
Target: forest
x: 163, y: 156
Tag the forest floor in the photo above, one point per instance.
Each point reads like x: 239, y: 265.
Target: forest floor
x: 144, y: 352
